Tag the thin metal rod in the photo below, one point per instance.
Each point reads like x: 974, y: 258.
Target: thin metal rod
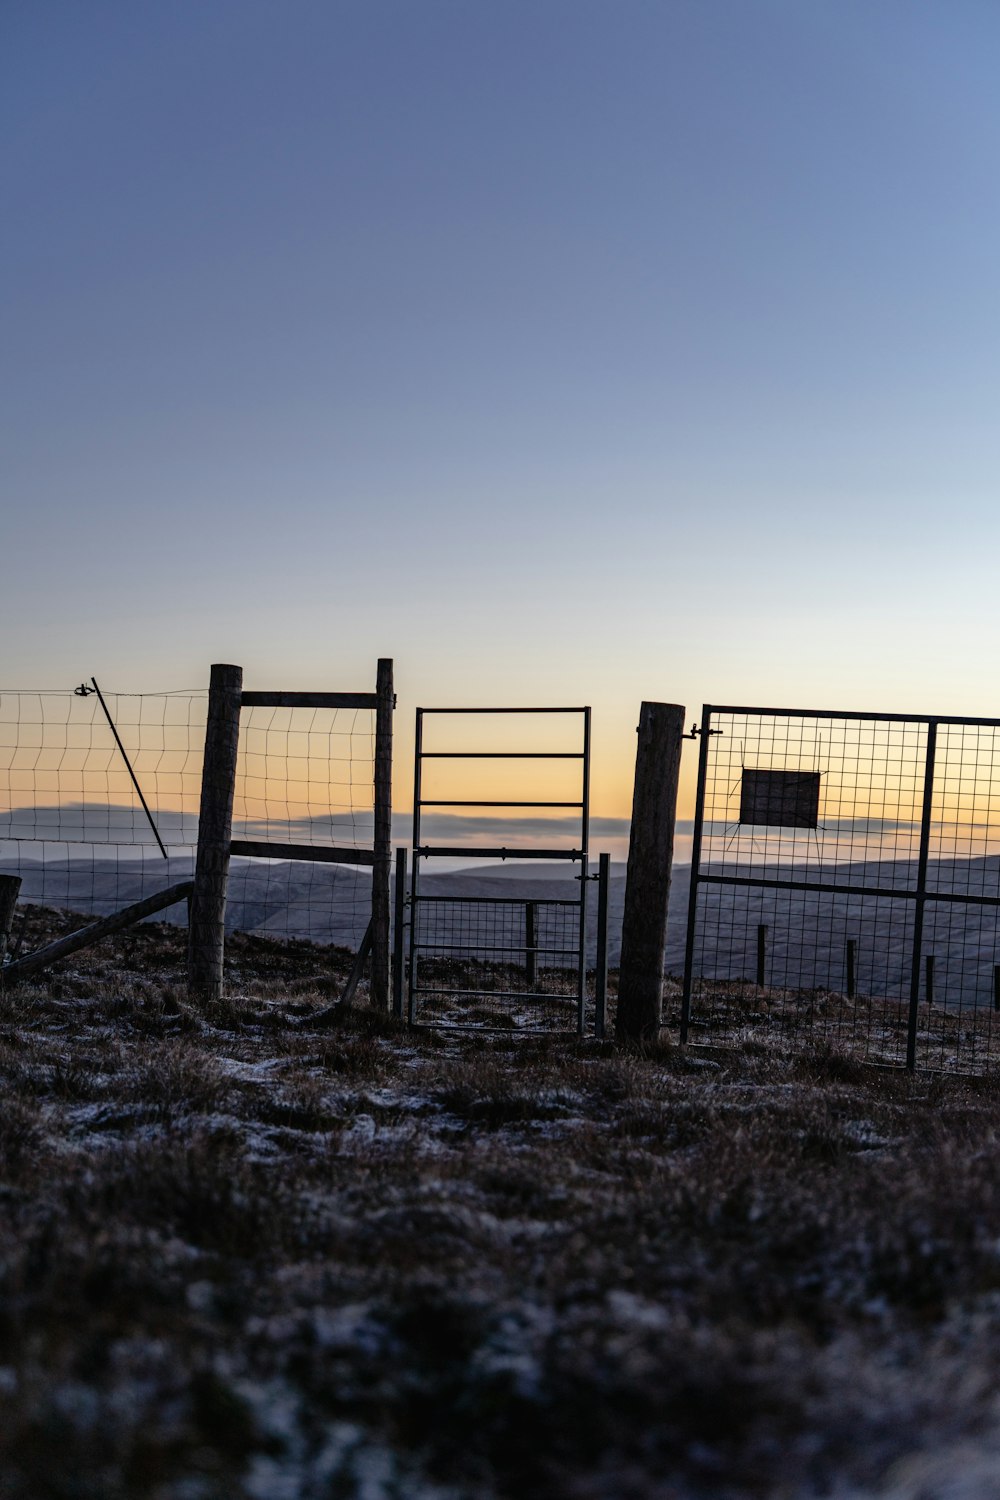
x: 920, y: 894
x: 996, y: 986
x: 692, y: 914
x: 530, y: 944
x: 118, y: 742
x: 504, y: 994
x: 493, y: 852
x: 415, y: 873
x: 473, y: 802
x: 929, y: 978
x: 502, y: 754
x: 851, y: 968
x: 533, y: 710
x: 581, y: 1015
x: 500, y: 901
x: 399, y: 923
x: 601, y: 976
x: 442, y: 949
x: 832, y: 888
x: 854, y: 715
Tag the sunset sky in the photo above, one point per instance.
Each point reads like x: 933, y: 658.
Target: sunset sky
x: 566, y: 352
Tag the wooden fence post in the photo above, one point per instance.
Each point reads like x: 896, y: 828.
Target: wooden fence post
x: 10, y: 885
x: 207, y: 931
x: 382, y: 862
x: 647, y: 882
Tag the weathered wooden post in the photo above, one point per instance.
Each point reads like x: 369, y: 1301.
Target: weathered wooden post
x: 207, y: 931
x: 647, y: 881
x: 382, y: 857
x: 10, y: 885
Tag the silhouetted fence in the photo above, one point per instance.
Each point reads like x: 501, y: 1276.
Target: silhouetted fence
x: 99, y: 803
x: 845, y: 884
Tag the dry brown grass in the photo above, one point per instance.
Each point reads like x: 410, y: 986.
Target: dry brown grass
x: 261, y: 1251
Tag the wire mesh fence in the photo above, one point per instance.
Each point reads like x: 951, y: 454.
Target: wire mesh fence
x: 845, y: 884
x: 99, y: 798
x: 498, y: 961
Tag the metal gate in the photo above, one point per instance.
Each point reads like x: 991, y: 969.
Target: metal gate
x: 845, y: 884
x: 478, y: 956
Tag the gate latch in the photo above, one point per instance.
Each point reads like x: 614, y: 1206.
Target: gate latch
x: 694, y: 732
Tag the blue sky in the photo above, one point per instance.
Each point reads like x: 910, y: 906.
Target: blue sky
x: 565, y: 351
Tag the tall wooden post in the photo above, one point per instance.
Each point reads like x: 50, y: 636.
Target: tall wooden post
x: 385, y: 702
x: 647, y: 882
x: 207, y: 930
x: 10, y: 885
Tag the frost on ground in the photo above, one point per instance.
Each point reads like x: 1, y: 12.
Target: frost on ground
x: 262, y: 1251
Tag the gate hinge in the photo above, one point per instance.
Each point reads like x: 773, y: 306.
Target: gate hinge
x: 694, y: 732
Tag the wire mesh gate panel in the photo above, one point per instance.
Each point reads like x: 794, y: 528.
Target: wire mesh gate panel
x: 491, y: 960
x: 845, y: 884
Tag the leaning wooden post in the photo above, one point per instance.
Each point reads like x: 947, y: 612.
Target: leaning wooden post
x: 207, y: 929
x: 385, y: 702
x: 10, y: 885
x: 647, y: 881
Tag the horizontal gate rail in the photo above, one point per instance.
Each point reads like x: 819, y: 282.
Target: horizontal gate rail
x: 897, y: 893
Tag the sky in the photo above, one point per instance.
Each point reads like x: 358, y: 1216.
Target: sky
x: 567, y: 352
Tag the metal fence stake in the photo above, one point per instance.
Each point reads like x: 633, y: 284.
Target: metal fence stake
x: 761, y: 953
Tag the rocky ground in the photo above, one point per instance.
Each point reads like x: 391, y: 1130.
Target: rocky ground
x: 272, y: 1250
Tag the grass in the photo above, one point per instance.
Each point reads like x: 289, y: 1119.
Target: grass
x: 261, y: 1251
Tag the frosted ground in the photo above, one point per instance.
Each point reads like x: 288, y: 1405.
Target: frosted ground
x: 268, y: 1250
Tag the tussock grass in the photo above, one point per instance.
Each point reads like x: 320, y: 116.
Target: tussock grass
x: 265, y: 1249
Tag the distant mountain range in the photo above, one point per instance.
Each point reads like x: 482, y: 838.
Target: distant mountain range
x: 805, y: 944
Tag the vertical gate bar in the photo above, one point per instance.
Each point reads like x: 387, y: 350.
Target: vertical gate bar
x: 415, y: 873
x: 921, y: 894
x: 851, y: 951
x: 601, y: 975
x: 929, y: 979
x: 692, y: 915
x: 996, y: 986
x: 581, y: 1004
x: 385, y: 699
x: 761, y: 953
x: 399, y: 921
x: 531, y: 943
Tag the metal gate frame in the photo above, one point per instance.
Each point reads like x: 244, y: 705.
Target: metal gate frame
x: 578, y: 856
x: 918, y: 892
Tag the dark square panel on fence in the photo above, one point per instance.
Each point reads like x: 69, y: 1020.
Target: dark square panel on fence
x: 780, y: 799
